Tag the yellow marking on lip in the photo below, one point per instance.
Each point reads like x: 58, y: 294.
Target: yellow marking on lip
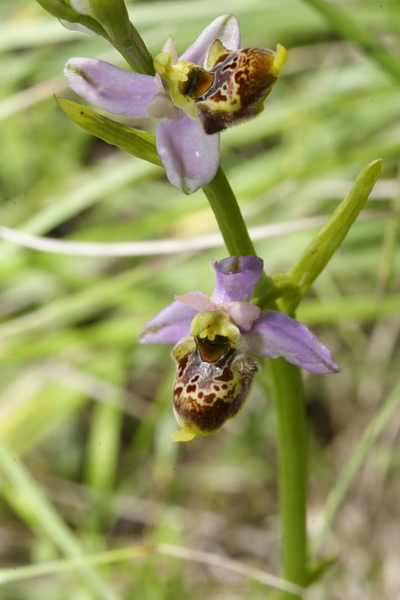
x: 180, y: 435
x: 280, y: 57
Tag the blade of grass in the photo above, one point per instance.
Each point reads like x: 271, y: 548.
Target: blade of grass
x: 78, y: 198
x: 123, y: 554
x: 355, y: 461
x: 367, y: 308
x: 368, y: 43
x: 105, y: 429
x: 50, y: 521
x: 62, y: 566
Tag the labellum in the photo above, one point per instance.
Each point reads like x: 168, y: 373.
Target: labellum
x: 236, y: 85
x: 212, y: 382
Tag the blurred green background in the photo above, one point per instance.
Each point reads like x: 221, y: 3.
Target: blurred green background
x: 86, y: 461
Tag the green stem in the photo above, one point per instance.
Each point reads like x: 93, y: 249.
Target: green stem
x: 368, y: 43
x: 134, y: 51
x: 229, y: 218
x: 288, y: 396
x: 289, y: 403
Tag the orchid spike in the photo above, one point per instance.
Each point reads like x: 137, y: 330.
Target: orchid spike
x: 214, y: 337
x: 213, y: 85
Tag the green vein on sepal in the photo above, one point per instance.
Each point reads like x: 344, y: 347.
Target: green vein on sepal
x: 131, y: 140
x: 328, y: 239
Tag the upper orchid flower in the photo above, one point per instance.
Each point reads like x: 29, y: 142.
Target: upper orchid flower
x: 213, y: 338
x: 211, y: 86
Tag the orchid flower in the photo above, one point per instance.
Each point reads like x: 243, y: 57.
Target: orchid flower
x: 211, y: 86
x: 214, y: 337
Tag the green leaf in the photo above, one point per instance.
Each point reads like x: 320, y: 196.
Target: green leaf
x: 136, y: 142
x: 328, y: 239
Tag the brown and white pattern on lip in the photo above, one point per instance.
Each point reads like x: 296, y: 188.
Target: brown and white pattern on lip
x: 242, y: 81
x: 212, y: 383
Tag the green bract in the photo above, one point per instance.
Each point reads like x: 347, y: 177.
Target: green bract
x: 328, y: 239
x: 134, y: 141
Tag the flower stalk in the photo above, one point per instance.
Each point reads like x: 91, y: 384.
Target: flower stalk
x: 289, y: 402
x: 231, y: 224
x: 228, y: 215
x: 288, y: 397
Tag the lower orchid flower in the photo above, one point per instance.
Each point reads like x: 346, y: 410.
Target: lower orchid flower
x: 213, y: 338
x: 213, y: 85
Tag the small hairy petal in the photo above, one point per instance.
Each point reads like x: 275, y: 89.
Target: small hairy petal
x: 242, y: 313
x: 198, y: 300
x: 118, y: 91
x: 224, y: 28
x: 237, y: 276
x: 275, y: 334
x: 190, y: 157
x: 169, y: 326
x: 170, y: 48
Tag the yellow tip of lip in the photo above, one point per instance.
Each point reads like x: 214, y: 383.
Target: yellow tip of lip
x: 280, y: 57
x: 180, y: 435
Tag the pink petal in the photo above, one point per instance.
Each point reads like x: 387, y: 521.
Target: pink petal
x: 275, y: 334
x: 169, y: 326
x: 242, y: 314
x: 189, y: 155
x: 116, y: 90
x: 198, y: 300
x: 224, y: 28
